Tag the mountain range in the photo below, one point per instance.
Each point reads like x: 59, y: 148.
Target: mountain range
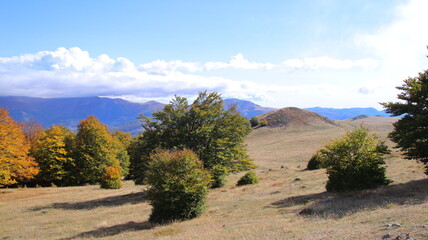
x: 121, y: 114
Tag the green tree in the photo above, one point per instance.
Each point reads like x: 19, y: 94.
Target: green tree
x: 122, y: 141
x: 94, y: 151
x: 216, y: 135
x: 51, y: 154
x: 355, y: 162
x: 136, y: 150
x: 16, y: 166
x: 411, y: 131
x: 178, y: 185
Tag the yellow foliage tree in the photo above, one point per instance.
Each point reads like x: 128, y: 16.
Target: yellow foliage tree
x: 15, y: 164
x: 51, y: 154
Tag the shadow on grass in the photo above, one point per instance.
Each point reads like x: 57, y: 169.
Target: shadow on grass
x: 341, y: 204
x: 114, y: 230
x: 131, y: 198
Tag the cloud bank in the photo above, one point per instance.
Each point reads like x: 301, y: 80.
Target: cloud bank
x: 73, y: 72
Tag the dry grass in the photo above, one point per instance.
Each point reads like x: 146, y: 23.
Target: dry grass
x: 288, y: 203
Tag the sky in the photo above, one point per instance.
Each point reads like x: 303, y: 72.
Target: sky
x: 327, y: 53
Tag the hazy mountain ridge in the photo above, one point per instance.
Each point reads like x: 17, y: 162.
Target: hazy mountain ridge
x: 247, y: 108
x: 121, y: 114
x: 116, y: 113
x: 345, y: 113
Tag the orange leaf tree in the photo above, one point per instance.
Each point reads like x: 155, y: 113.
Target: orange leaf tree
x: 15, y: 164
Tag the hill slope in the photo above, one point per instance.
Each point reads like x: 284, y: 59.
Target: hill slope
x: 246, y: 108
x: 287, y: 117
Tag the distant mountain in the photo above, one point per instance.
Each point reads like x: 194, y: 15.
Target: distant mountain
x: 295, y: 117
x: 122, y: 114
x: 116, y: 113
x: 246, y: 108
x: 345, y: 113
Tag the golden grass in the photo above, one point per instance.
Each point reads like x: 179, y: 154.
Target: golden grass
x: 288, y: 203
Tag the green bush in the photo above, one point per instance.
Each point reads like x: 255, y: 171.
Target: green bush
x: 315, y: 162
x: 111, y: 178
x: 254, y: 121
x: 219, y: 174
x: 249, y: 178
x: 355, y: 162
x: 178, y: 185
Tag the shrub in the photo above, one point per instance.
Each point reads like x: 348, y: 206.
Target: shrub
x: 249, y: 178
x: 254, y: 121
x: 178, y: 185
x: 264, y: 123
x: 316, y: 161
x: 355, y: 161
x: 219, y: 174
x: 111, y: 178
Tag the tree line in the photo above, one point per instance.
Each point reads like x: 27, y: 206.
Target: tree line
x: 31, y: 155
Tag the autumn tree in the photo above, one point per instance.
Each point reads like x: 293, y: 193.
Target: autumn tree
x: 52, y: 155
x: 215, y: 134
x: 122, y: 141
x: 15, y: 164
x: 411, y: 131
x: 32, y: 131
x: 95, y: 150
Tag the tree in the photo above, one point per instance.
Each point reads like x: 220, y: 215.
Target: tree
x: 52, y: 155
x: 15, y: 164
x: 94, y: 151
x: 178, y: 185
x: 216, y: 135
x: 411, y: 131
x: 122, y: 141
x: 111, y: 178
x: 32, y: 130
x: 355, y: 162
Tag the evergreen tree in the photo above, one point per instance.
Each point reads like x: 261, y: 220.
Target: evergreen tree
x: 411, y: 131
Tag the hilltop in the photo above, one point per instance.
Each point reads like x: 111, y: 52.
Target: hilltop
x: 295, y: 117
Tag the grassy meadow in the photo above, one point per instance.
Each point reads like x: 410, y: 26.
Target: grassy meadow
x: 288, y: 203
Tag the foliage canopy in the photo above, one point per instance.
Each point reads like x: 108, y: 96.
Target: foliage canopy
x: 94, y: 151
x: 411, y: 131
x: 15, y: 164
x: 355, y: 162
x: 178, y: 185
x: 52, y: 155
x: 215, y: 134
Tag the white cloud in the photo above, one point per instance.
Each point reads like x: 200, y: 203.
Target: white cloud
x: 401, y: 45
x: 330, y: 63
x: 164, y: 67
x: 238, y: 62
x: 72, y: 72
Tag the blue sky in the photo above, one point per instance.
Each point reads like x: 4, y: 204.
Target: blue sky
x: 326, y: 53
